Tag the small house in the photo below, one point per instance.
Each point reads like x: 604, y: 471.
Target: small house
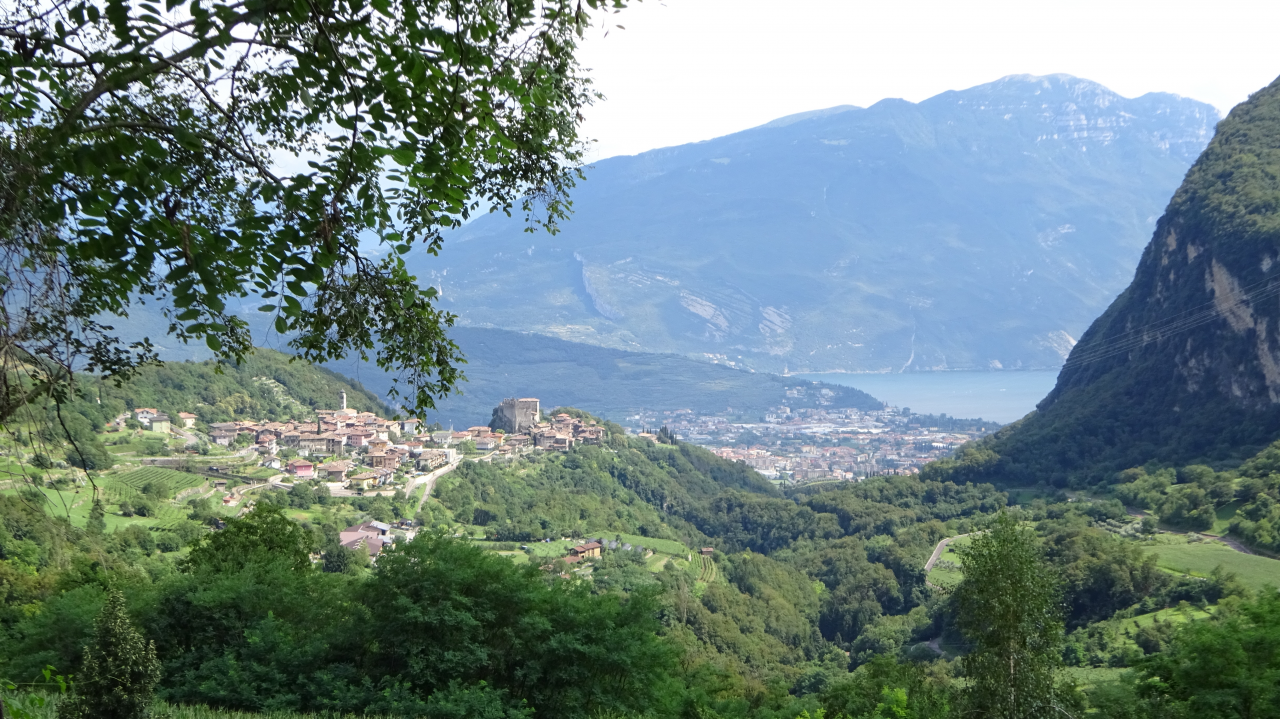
x: 301, y: 468
x: 590, y: 549
x: 160, y: 423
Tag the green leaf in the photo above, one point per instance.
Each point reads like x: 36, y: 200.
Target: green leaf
x: 403, y: 156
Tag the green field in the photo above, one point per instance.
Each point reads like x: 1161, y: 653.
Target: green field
x: 126, y: 485
x: 75, y: 506
x: 945, y: 577
x: 177, y: 481
x: 1225, y: 513
x: 1176, y: 615
x: 1198, y: 559
x: 559, y: 548
x: 665, y: 550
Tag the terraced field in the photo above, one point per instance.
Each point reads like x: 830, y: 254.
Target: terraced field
x: 176, y: 480
x: 128, y: 487
x: 708, y: 573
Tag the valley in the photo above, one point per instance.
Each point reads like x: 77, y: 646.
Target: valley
x: 961, y: 408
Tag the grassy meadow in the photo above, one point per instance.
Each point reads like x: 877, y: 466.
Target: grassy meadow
x: 1176, y: 553
x: 946, y: 576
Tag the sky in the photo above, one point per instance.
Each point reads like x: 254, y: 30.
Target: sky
x: 680, y: 71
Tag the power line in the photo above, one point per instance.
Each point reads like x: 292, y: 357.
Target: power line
x: 1183, y: 321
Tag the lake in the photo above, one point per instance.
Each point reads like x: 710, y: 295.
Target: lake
x: 999, y: 396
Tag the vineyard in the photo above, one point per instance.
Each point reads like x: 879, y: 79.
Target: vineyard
x: 177, y: 481
x: 128, y: 488
x: 708, y: 573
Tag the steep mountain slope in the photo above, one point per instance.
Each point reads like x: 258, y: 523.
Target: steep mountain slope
x: 1185, y: 364
x: 978, y: 229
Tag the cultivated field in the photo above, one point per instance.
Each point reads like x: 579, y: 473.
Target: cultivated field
x: 1176, y: 554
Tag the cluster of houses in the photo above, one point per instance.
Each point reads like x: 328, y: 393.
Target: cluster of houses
x: 157, y: 421
x: 362, y: 449
x: 369, y: 536
x: 594, y: 547
x: 356, y: 449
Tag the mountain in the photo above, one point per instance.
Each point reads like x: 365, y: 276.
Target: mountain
x: 613, y: 383
x: 982, y: 228
x: 1184, y: 366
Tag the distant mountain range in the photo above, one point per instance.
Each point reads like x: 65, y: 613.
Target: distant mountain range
x: 978, y: 229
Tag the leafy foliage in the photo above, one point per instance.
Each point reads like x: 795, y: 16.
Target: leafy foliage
x: 1224, y: 668
x: 222, y: 151
x: 1010, y: 609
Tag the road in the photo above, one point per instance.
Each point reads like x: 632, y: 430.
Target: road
x: 938, y: 550
x: 430, y: 481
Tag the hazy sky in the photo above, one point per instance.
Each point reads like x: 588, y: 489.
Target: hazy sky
x: 687, y: 70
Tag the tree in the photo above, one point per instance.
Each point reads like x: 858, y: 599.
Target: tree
x: 97, y: 518
x: 154, y: 156
x: 1219, y: 669
x: 263, y: 535
x: 120, y: 670
x: 338, y: 559
x: 1009, y: 607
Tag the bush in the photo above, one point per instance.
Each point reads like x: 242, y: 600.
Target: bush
x: 168, y: 542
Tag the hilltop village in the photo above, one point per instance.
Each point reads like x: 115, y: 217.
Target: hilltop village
x: 360, y: 450
x: 354, y: 451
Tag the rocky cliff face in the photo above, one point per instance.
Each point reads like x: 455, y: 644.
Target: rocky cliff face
x: 979, y: 229
x: 1185, y: 364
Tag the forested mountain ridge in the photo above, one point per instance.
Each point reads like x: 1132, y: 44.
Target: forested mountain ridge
x: 979, y: 228
x: 608, y: 382
x: 267, y: 384
x: 1185, y: 365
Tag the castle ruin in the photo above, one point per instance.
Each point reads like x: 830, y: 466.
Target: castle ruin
x: 515, y: 416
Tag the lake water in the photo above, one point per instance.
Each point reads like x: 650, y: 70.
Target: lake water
x: 999, y: 396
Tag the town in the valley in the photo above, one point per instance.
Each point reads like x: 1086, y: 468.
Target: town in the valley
x: 794, y: 446
x: 354, y: 453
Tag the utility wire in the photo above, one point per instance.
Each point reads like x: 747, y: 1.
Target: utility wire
x: 1183, y: 321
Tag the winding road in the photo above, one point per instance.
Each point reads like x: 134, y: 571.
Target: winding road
x: 937, y: 552
x: 430, y: 480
